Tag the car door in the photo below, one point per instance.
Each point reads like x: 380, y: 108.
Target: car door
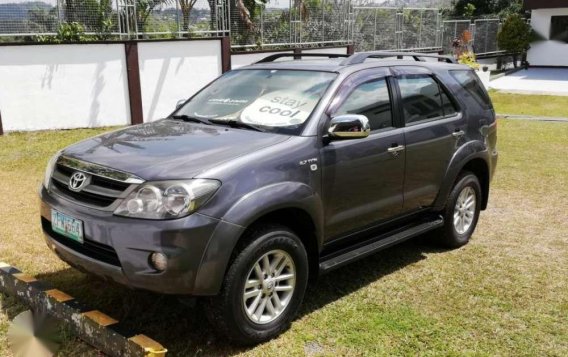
x: 363, y: 178
x: 433, y: 127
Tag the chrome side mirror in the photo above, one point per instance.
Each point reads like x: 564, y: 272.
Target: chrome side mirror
x: 349, y: 126
x: 180, y: 103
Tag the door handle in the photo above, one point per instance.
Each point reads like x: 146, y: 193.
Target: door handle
x: 396, y: 149
x: 458, y: 134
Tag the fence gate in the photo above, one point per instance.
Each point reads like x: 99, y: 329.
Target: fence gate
x: 127, y: 20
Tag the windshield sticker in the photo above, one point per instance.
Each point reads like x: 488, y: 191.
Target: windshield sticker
x: 227, y: 101
x: 280, y: 108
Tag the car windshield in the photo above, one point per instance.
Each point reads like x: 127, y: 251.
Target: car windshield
x: 279, y: 101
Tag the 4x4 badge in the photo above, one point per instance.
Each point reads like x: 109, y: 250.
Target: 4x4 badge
x: 77, y: 181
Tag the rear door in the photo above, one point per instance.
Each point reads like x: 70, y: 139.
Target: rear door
x: 363, y: 178
x: 433, y: 129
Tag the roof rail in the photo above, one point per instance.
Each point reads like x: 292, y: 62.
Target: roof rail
x: 274, y: 57
x: 362, y: 56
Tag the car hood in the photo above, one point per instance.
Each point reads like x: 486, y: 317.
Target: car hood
x: 170, y: 149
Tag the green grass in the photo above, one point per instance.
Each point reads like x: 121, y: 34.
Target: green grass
x: 506, y: 293
x: 532, y: 105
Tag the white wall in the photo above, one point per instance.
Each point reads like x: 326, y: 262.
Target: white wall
x: 63, y: 86
x: 341, y: 50
x: 547, y: 53
x: 244, y: 59
x: 170, y: 71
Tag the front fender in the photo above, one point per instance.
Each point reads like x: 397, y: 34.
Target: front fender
x: 467, y: 152
x: 242, y: 214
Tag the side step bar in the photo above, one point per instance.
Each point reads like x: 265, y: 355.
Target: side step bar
x: 378, y: 245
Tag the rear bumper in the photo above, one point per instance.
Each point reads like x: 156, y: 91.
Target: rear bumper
x: 118, y: 248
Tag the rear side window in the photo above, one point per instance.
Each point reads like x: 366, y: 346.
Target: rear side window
x: 371, y: 99
x: 470, y: 82
x: 420, y: 98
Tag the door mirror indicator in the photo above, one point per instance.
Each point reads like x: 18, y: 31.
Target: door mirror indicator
x: 349, y: 126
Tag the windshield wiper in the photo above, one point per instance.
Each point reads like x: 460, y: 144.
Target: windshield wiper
x: 236, y: 124
x: 186, y: 117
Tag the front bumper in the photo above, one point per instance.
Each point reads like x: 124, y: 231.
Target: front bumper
x: 119, y: 248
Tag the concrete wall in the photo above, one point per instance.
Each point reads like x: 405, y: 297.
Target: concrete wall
x: 170, y: 71
x: 87, y: 85
x: 63, y: 86
x: 547, y: 53
x: 244, y: 59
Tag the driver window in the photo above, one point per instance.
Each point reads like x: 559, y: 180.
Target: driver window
x: 371, y: 99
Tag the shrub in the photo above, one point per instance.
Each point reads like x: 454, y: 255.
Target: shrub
x: 515, y: 36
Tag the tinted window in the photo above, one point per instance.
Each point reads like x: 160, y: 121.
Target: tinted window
x: 420, y: 98
x: 559, y: 28
x: 447, y: 104
x: 469, y: 81
x: 371, y: 99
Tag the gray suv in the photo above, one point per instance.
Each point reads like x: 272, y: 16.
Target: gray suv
x: 273, y: 174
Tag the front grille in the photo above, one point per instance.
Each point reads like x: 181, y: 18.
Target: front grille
x: 89, y: 248
x: 100, y: 192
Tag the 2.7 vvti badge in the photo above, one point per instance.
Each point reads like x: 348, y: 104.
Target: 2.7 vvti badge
x: 273, y: 174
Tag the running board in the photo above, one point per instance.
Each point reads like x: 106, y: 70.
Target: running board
x: 378, y: 245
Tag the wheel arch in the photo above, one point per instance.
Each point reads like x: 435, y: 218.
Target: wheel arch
x: 473, y: 157
x: 294, y: 205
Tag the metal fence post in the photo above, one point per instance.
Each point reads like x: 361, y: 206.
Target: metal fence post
x: 225, y: 54
x: 1, y: 128
x: 133, y: 78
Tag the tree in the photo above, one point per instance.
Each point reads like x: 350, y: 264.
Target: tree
x: 487, y: 7
x: 186, y: 7
x: 515, y: 36
x: 144, y: 8
x: 469, y: 10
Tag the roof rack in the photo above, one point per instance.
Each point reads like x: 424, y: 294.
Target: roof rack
x: 274, y: 57
x: 362, y: 56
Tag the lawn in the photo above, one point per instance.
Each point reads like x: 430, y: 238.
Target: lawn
x: 532, y: 105
x: 506, y: 293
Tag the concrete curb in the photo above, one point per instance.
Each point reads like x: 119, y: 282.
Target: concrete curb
x: 94, y: 327
x: 529, y: 117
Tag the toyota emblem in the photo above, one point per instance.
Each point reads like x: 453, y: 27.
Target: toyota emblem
x: 78, y: 181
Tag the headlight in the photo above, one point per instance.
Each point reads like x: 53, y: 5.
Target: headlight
x: 49, y: 169
x: 167, y: 199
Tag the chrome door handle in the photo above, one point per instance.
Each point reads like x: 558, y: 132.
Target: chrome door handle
x: 396, y: 149
x: 458, y: 133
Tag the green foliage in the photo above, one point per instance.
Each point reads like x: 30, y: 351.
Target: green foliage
x: 469, y: 10
x: 70, y: 32
x: 476, y: 8
x: 515, y: 35
x: 468, y: 58
x: 104, y: 20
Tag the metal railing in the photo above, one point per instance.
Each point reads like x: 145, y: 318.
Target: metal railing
x: 258, y: 24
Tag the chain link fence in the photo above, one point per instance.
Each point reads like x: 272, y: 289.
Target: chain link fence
x: 382, y: 28
x: 259, y: 24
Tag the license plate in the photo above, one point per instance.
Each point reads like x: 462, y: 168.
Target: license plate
x: 67, y: 226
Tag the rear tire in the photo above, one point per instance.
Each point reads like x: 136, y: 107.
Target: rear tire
x: 263, y: 288
x: 461, y: 213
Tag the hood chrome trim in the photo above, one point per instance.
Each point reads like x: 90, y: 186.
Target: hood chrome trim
x: 98, y: 170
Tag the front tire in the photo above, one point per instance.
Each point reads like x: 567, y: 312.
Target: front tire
x: 462, y: 212
x: 263, y: 288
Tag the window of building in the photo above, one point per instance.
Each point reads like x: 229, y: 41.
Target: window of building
x: 559, y: 28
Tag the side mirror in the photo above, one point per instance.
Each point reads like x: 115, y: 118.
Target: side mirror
x: 349, y: 126
x: 180, y: 103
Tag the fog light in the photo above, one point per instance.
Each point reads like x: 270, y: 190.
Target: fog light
x: 159, y: 261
